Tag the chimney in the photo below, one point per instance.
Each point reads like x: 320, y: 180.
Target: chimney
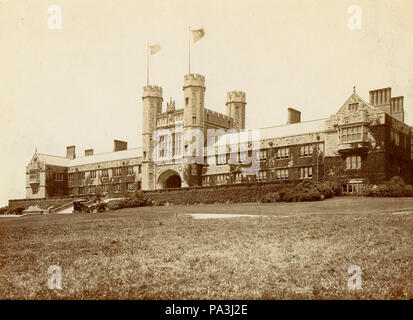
x: 294, y: 116
x: 381, y: 98
x: 88, y: 152
x: 70, y: 152
x: 397, y: 108
x: 119, y: 145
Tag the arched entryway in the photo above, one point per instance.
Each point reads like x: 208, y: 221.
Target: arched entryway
x: 169, y: 179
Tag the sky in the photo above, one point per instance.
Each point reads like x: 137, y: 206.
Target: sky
x: 82, y: 84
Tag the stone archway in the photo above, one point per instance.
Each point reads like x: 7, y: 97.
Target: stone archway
x: 169, y: 179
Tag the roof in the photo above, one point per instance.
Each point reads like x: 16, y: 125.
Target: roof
x: 286, y: 130
x: 54, y: 160
x: 108, y: 156
x: 96, y: 158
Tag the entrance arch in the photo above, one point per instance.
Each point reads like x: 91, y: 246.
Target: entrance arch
x: 169, y: 179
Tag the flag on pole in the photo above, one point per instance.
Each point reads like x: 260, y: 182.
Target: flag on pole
x: 198, y: 34
x: 154, y: 48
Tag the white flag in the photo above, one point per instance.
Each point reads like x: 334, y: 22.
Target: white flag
x: 198, y: 34
x: 154, y: 48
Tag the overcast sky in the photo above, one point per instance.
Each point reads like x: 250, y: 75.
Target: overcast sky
x: 82, y: 85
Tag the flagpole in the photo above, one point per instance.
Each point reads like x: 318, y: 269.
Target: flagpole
x: 147, y: 64
x: 189, y: 53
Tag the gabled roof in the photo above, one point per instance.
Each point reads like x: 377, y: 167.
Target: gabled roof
x: 102, y: 157
x: 108, y: 156
x: 53, y: 160
x: 354, y: 96
x: 285, y: 130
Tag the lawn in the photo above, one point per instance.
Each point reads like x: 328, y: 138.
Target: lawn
x: 289, y: 251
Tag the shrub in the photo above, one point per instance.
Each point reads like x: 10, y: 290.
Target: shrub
x: 395, y: 187
x: 270, y: 197
x: 3, y: 210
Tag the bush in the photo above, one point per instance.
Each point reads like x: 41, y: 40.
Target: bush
x: 3, y: 210
x: 270, y: 197
x: 395, y: 187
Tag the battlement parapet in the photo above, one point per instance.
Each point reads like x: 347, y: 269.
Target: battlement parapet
x: 152, y: 91
x: 217, y: 118
x: 194, y: 80
x: 236, y: 96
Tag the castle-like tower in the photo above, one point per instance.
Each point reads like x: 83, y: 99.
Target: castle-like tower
x: 152, y: 105
x: 194, y: 101
x: 193, y: 115
x: 236, y: 108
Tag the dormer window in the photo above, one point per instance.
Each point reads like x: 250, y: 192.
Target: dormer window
x: 353, y: 107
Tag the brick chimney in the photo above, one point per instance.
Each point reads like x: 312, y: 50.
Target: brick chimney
x: 294, y: 116
x: 88, y: 152
x: 119, y: 145
x: 70, y: 152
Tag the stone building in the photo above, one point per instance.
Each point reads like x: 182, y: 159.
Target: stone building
x: 364, y: 142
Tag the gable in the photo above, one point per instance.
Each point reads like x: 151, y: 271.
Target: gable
x: 355, y: 103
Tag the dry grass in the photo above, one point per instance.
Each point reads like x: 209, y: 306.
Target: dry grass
x: 159, y: 253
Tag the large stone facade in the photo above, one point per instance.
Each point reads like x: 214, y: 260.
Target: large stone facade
x: 364, y: 142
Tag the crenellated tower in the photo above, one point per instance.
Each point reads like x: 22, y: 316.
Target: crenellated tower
x: 152, y: 105
x: 194, y: 101
x: 236, y: 102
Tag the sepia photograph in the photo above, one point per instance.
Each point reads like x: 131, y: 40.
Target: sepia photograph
x: 189, y: 151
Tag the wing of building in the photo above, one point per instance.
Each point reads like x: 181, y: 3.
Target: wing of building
x: 362, y: 143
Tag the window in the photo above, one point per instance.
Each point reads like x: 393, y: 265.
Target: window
x: 353, y: 187
x: 221, y: 179
x: 82, y: 190
x: 350, y: 134
x: 193, y: 120
x: 234, y: 158
x: 243, y: 156
x: 238, y: 177
x: 34, y: 174
x: 282, y: 174
x: 92, y: 174
x: 70, y: 177
x: 105, y: 173
x: 306, y: 172
x: 261, y: 176
x: 353, y: 106
x: 162, y: 146
x: 283, y: 153
x: 58, y: 176
x: 262, y: 155
x: 117, y: 172
x: 104, y: 188
x: 82, y: 175
x: 140, y: 169
x: 131, y: 187
x: 306, y: 150
x: 178, y: 144
x: 131, y: 171
x: 222, y: 159
x: 394, y: 137
x: 186, y: 101
x: 92, y: 189
x: 353, y: 162
x: 117, y: 187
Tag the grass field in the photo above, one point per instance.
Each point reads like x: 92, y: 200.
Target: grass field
x: 289, y: 251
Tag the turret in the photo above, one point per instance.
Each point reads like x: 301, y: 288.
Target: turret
x: 194, y: 100
x: 152, y: 105
x: 236, y: 108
